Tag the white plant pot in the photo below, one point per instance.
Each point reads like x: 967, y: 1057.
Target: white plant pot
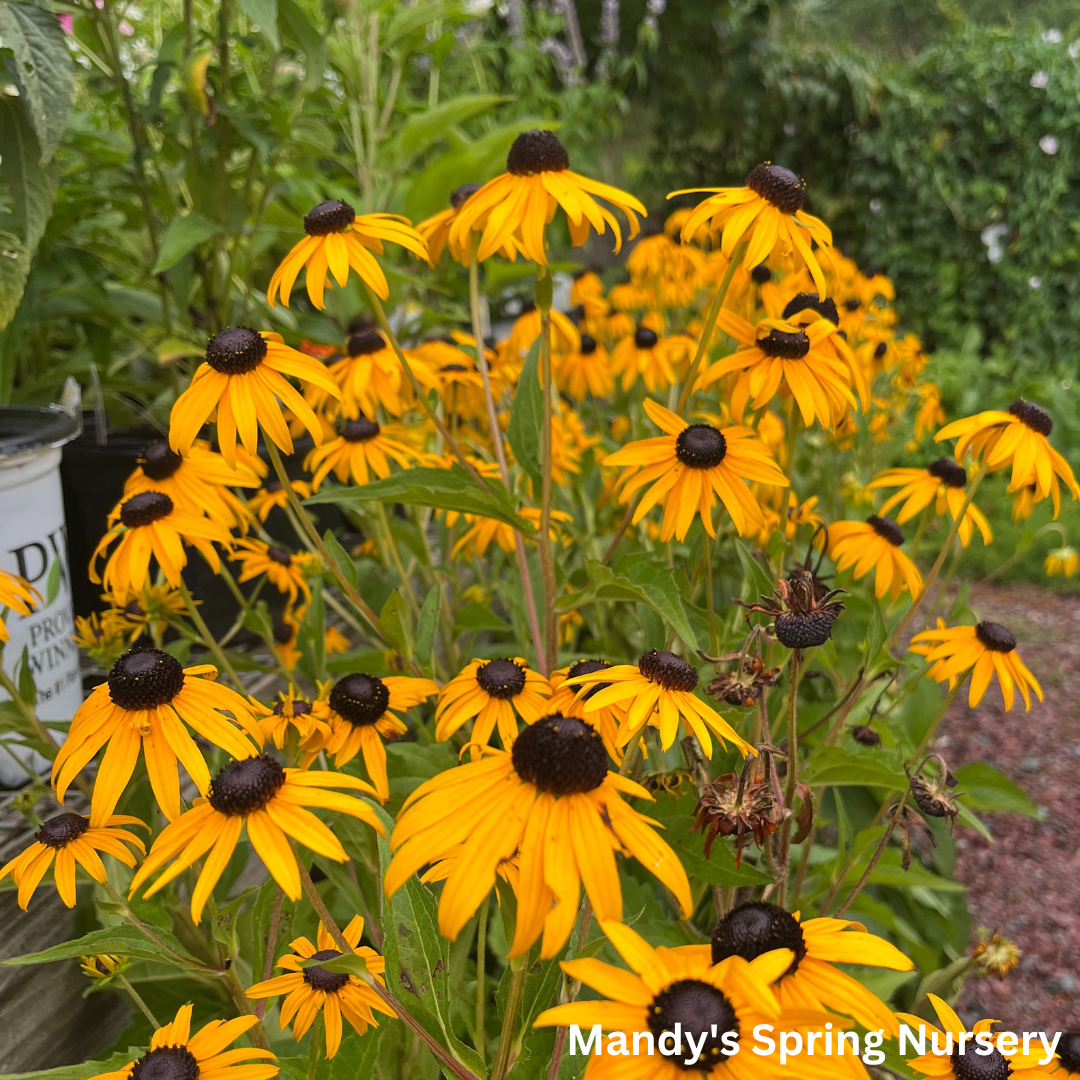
x: 33, y: 544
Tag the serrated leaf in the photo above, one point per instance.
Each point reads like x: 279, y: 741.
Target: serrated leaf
x: 183, y: 235
x: 526, y: 416
x: 444, y: 489
x: 263, y: 13
x: 32, y: 185
x: 121, y: 940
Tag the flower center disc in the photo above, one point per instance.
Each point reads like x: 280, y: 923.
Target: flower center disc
x: 755, y: 928
x: 365, y: 343
x: 701, y: 1009
x: 460, y: 196
x: 587, y: 667
x: 995, y: 637
x: 644, y: 338
x: 992, y: 1066
x: 588, y: 344
x: 236, y: 351
x: 272, y: 487
x: 886, y: 528
x: 761, y: 273
x: 780, y: 344
x: 332, y: 216
x: 61, y: 830
x: 560, y: 756
x: 810, y: 301
x: 501, y: 679
x: 278, y: 555
x: 159, y: 462
x: 243, y: 787
x: 700, y: 446
x: 145, y: 508
x: 319, y: 978
x: 669, y: 670
x: 299, y: 707
x: 360, y: 699
x: 536, y: 152
x: 453, y: 367
x: 1032, y: 416
x: 144, y: 679
x: 948, y: 472
x: 1069, y: 1051
x: 778, y: 185
x: 283, y: 632
x: 166, y: 1063
x: 360, y: 430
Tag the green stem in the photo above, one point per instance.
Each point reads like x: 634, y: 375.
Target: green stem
x: 923, y: 521
x: 481, y: 978
x: 271, y: 946
x: 792, y: 771
x: 543, y: 290
x: 313, y: 1053
x: 706, y: 568
x: 244, y: 1006
x: 208, y: 639
x: 518, y: 972
x: 395, y: 558
x: 710, y: 326
x: 137, y: 998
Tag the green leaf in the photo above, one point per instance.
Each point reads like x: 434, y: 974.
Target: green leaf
x: 14, y: 270
x: 121, y: 940
x: 308, y: 38
x: 263, y: 13
x: 986, y: 789
x: 41, y: 66
x: 342, y: 558
x: 755, y: 575
x: 719, y: 868
x: 444, y: 489
x: 836, y: 766
x: 32, y: 185
x: 425, y: 627
x: 183, y: 235
x: 311, y: 636
x: 526, y: 416
x: 356, y: 1058
x: 476, y: 616
x: 85, y: 1069
x: 52, y: 582
x: 425, y: 128
x: 27, y: 686
x: 397, y: 627
x: 346, y: 964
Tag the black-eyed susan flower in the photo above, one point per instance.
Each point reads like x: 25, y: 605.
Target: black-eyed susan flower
x: 1067, y: 1062
x: 370, y: 377
x: 18, y: 595
x: 1018, y: 438
x: 337, y: 240
x: 198, y: 484
x: 364, y: 447
x: 243, y: 384
x: 271, y: 801
x: 985, y: 649
x: 149, y: 527
x: 768, y: 213
x: 176, y: 1054
x: 659, y: 690
x: 942, y: 483
x: 776, y: 354
x: 1063, y: 560
x: 812, y: 981
x: 681, y: 990
x: 873, y: 544
x: 151, y: 610
x: 565, y: 337
x: 587, y: 371
x: 690, y: 464
x: 570, y: 701
x: 643, y: 356
x: 103, y: 636
x: 587, y: 292
x: 293, y: 711
x: 149, y: 701
x: 481, y: 531
x: 518, y: 205
x: 273, y: 494
x: 314, y: 989
x: 285, y: 571
x: 103, y: 966
x: 360, y: 711
x: 974, y: 1063
x: 64, y: 841
x: 552, y: 802
x: 1024, y: 502
x: 491, y: 693
x: 436, y: 229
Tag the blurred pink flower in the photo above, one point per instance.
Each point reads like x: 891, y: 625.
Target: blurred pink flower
x: 67, y: 22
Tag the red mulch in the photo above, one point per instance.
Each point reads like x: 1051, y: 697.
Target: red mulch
x: 1027, y: 883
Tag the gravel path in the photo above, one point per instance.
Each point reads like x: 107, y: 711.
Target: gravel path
x: 1027, y: 883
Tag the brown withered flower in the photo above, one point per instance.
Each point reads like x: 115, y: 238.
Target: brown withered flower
x: 935, y: 798
x: 736, y: 806
x: 802, y: 613
x: 865, y: 735
x: 744, y: 683
x: 994, y: 954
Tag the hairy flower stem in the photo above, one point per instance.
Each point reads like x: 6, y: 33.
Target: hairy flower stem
x: 571, y: 990
x: 792, y: 771
x: 208, y: 639
x: 244, y: 1006
x: 481, y: 978
x: 954, y: 528
x: 450, y: 1063
x: 710, y: 326
x: 518, y: 971
x: 313, y: 1052
x: 500, y: 452
x: 542, y: 292
x: 271, y: 947
x: 882, y: 843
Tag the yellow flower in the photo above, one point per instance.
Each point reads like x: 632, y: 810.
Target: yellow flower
x: 517, y: 206
x: 986, y: 649
x: 644, y: 356
x: 313, y: 988
x: 435, y: 230
x: 942, y: 482
x: 570, y: 701
x: 553, y: 803
x: 587, y: 292
x: 690, y: 463
x: 69, y: 839
x: 363, y: 447
x: 292, y: 710
x: 481, y: 531
x: 1062, y: 560
x: 103, y: 966
x: 175, y: 1052
x: 16, y: 594
x: 336, y: 240
x: 370, y: 378
x: 768, y: 213
x: 873, y: 544
x: 284, y: 571
x: 146, y: 703
x: 151, y: 608
x: 273, y: 494
x: 1017, y: 438
x: 658, y: 690
x: 270, y: 801
x: 585, y: 371
x: 243, y: 384
x: 102, y: 636
x: 565, y: 337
